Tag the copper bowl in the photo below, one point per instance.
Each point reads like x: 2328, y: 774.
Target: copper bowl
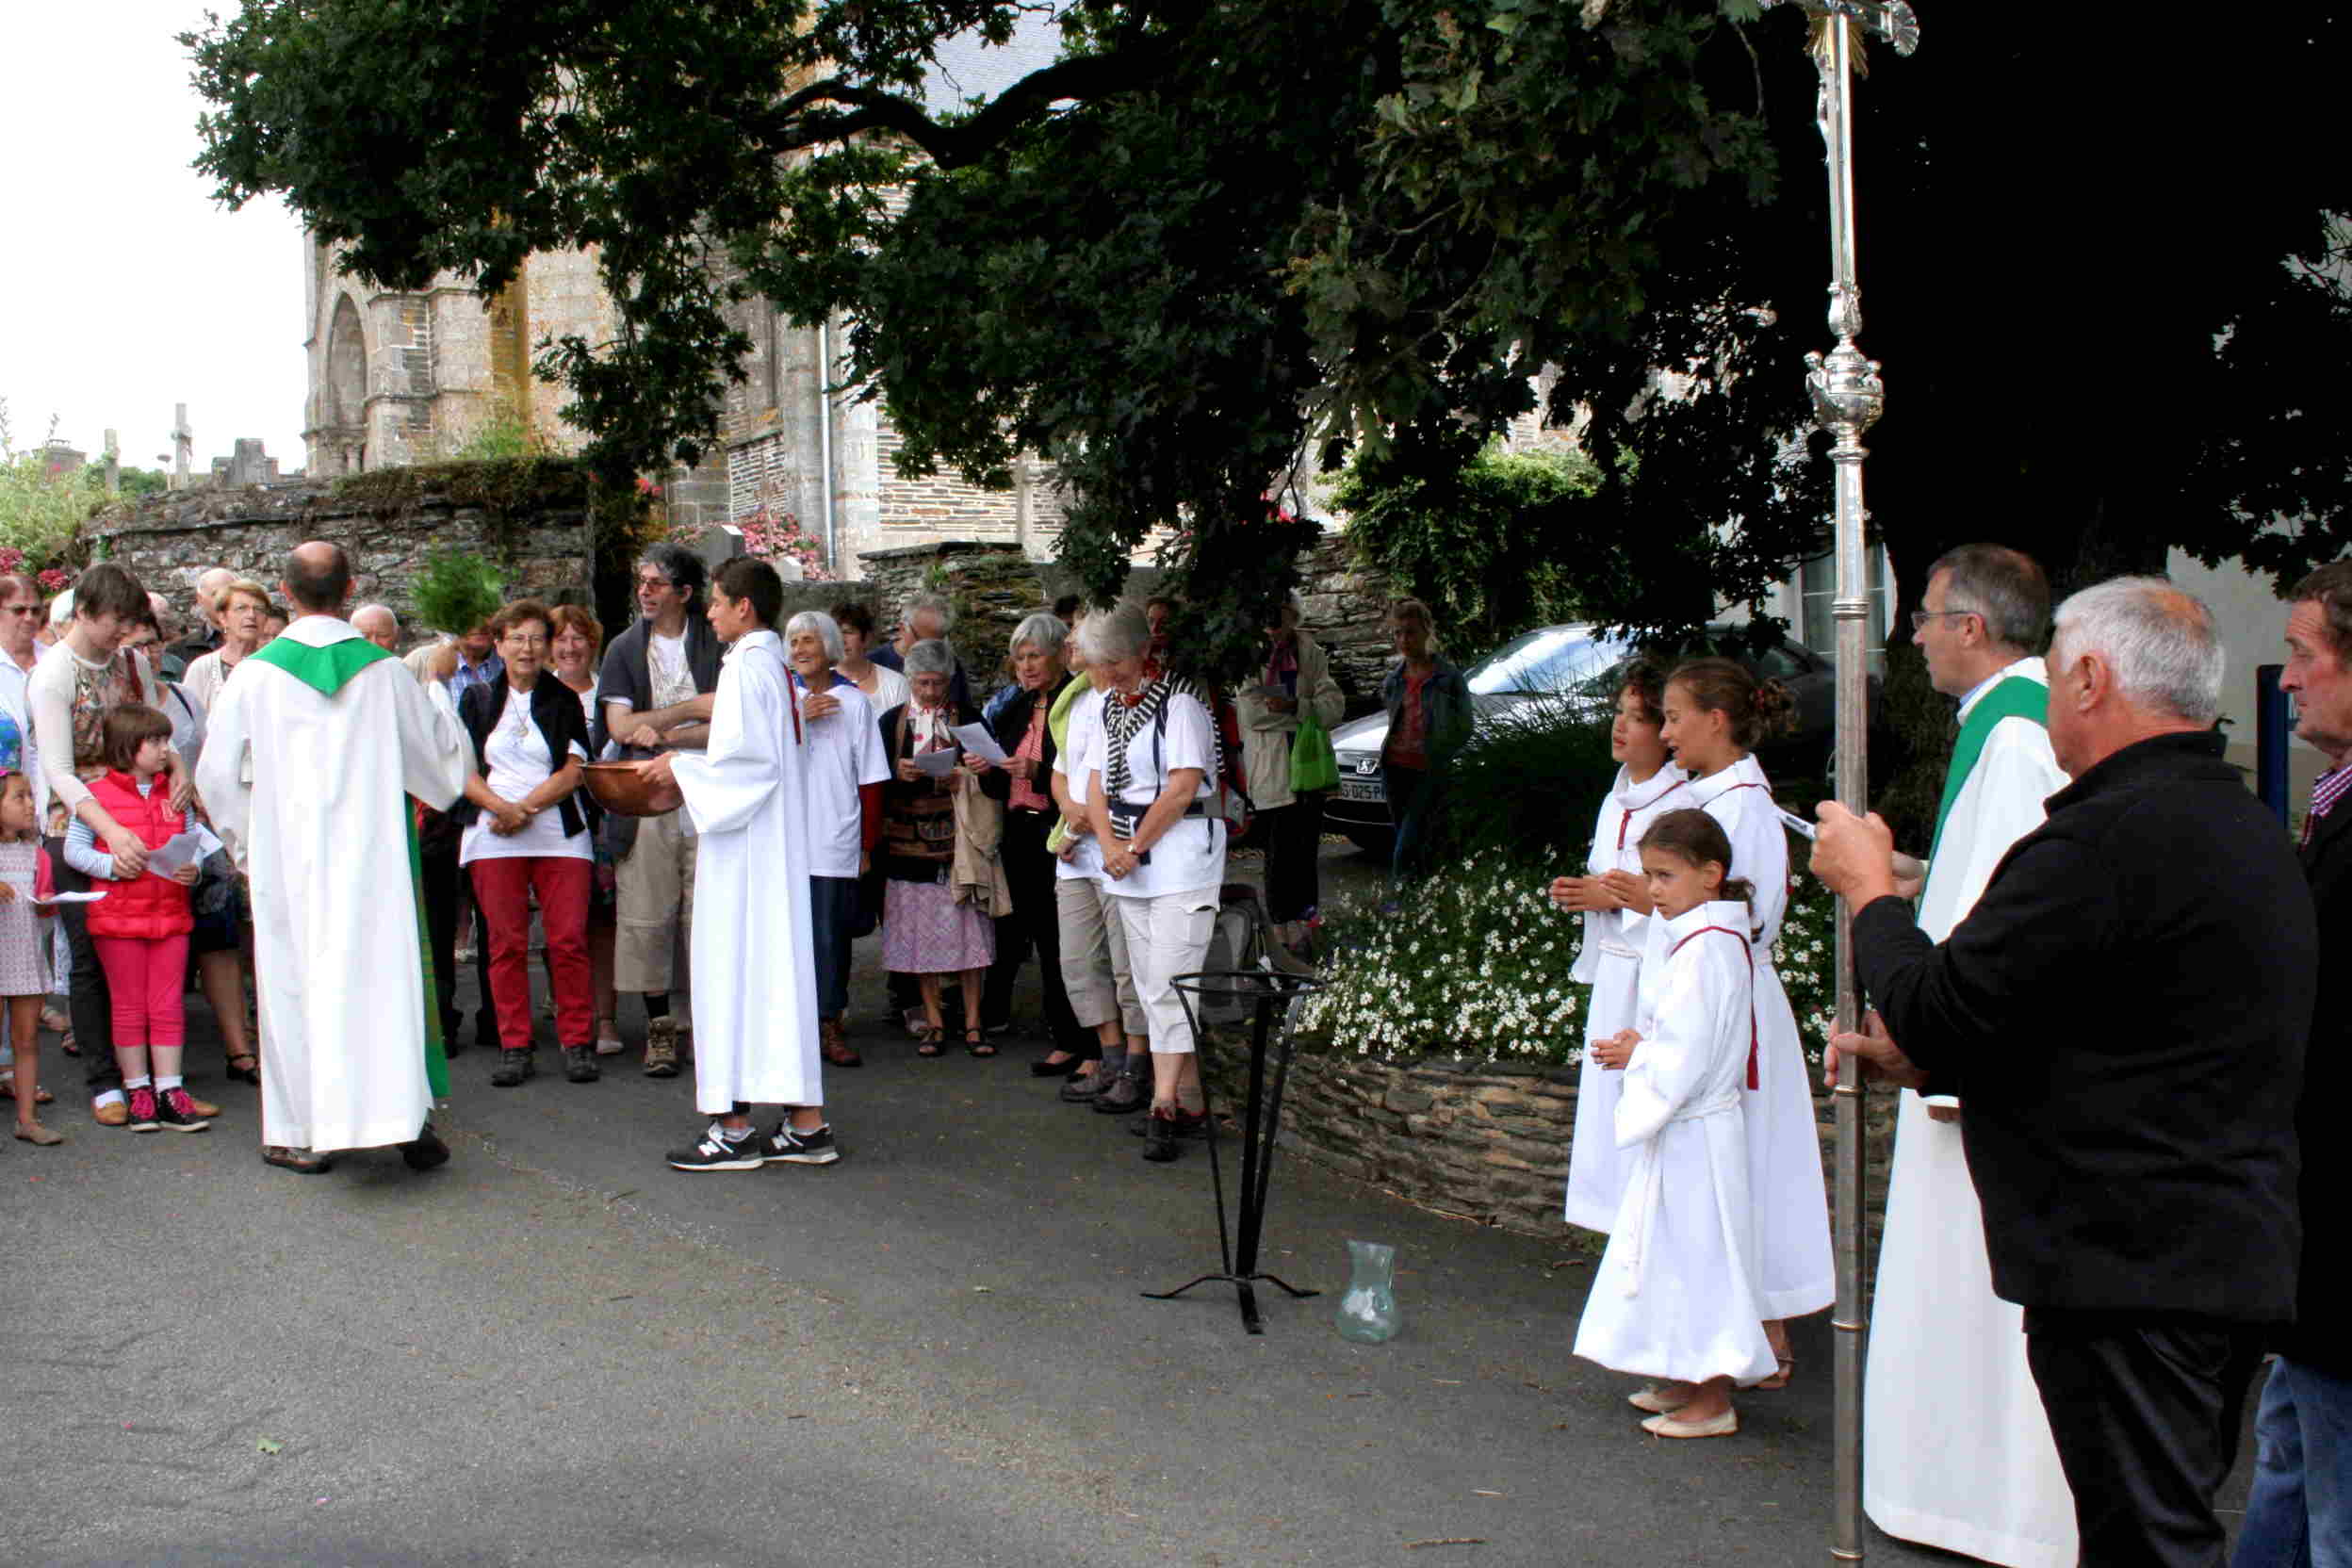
x: 620, y: 788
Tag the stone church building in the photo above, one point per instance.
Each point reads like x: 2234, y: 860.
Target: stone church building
x: 397, y: 378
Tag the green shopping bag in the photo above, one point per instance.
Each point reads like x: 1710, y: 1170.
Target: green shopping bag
x: 1313, y: 763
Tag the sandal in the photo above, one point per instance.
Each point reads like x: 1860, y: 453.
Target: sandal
x: 977, y: 1044
x: 68, y: 1044
x: 933, y: 1043
x: 41, y: 1095
x: 37, y: 1136
x: 246, y: 1068
x: 301, y: 1161
x: 1779, y: 1379
x: 55, y: 1022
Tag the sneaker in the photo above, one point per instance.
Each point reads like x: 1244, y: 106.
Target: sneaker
x: 580, y: 1064
x: 714, y: 1152
x: 514, y: 1067
x: 786, y: 1147
x: 662, y: 1048
x: 609, y: 1045
x: 1126, y: 1095
x: 1079, y: 1091
x: 1164, y: 1134
x: 1180, y: 1124
x: 143, y: 1110
x: 176, y: 1111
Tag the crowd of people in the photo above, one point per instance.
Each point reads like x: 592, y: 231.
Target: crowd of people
x: 2103, y: 988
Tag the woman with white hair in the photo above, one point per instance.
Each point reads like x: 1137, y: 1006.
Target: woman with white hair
x: 1095, y: 972
x: 1148, y: 789
x: 843, y: 797
x: 1024, y: 784
x: 927, y: 930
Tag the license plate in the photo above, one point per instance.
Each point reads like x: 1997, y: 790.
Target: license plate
x: 1362, y: 788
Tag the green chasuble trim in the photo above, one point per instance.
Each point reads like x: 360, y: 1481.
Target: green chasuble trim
x: 327, y: 670
x: 2014, y: 697
x: 324, y: 670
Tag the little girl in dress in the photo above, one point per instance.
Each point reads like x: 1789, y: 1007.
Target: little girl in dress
x: 1676, y: 1299
x: 23, y: 967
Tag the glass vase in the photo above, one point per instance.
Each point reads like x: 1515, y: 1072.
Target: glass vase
x: 1367, y: 1310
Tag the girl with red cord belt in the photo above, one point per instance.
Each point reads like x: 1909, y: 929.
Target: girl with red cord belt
x: 140, y: 928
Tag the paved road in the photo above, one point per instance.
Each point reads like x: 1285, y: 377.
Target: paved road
x: 555, y: 1349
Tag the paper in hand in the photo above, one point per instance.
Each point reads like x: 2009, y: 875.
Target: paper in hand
x: 938, y: 764
x: 975, y: 739
x: 90, y: 897
x: 182, y: 849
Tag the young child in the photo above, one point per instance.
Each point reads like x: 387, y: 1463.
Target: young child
x: 24, y: 957
x: 1676, y: 1297
x: 140, y: 928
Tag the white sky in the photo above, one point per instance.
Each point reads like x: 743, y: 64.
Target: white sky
x: 124, y: 287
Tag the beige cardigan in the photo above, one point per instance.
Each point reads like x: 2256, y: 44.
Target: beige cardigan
x: 977, y: 876
x: 1266, y: 734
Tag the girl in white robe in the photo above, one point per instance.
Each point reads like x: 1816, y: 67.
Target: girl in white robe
x: 1676, y: 1297
x: 1612, y: 900
x: 1716, y: 710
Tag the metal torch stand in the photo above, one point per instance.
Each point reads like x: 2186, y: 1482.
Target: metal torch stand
x: 1270, y: 993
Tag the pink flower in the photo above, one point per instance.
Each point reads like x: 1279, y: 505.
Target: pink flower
x: 55, y: 579
x: 11, y: 559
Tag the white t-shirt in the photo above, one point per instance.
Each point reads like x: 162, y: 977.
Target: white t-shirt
x: 1082, y: 732
x: 517, y: 754
x: 844, y: 752
x: 1192, y: 853
x: 668, y: 673
x: 890, y: 691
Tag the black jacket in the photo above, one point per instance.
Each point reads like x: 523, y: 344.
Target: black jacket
x: 2123, y: 1014
x: 2317, y: 1338
x: 1012, y: 723
x: 555, y: 709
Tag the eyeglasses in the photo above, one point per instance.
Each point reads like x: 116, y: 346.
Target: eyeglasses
x: 1921, y: 617
x: 17, y: 608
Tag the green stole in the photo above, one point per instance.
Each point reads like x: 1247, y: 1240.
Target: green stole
x: 326, y: 670
x: 2013, y: 697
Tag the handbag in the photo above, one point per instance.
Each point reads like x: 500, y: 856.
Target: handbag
x: 1314, y: 765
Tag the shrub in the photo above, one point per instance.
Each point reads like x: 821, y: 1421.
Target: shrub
x: 1532, y: 774
x: 457, y: 590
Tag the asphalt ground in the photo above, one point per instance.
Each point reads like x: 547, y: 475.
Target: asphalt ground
x: 557, y: 1349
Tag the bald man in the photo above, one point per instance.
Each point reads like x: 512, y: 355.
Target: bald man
x: 325, y: 715
x: 377, y: 622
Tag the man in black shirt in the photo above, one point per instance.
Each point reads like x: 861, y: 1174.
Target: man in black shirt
x: 2123, y: 1014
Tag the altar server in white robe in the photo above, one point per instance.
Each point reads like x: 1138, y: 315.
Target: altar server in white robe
x: 309, y: 760
x: 756, y: 1035
x: 1956, y: 1451
x: 1675, y: 1295
x: 1613, y: 897
x: 1716, y: 712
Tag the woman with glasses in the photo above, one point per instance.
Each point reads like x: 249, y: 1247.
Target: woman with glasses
x: 526, y: 833
x: 244, y: 609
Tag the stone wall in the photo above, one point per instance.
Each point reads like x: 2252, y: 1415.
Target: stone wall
x: 1347, y: 610
x: 992, y: 586
x: 1488, y: 1142
x: 387, y: 522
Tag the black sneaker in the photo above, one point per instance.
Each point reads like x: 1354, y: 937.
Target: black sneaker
x: 175, y: 1112
x: 514, y: 1067
x: 580, y: 1064
x: 1164, y: 1134
x: 714, y: 1152
x: 787, y: 1147
x: 146, y: 1110
x: 1126, y: 1095
x: 425, y: 1150
x: 1181, y: 1124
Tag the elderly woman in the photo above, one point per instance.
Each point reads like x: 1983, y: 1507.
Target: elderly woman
x: 525, y: 834
x: 578, y: 641
x: 1150, y: 780
x: 844, y: 798
x: 244, y: 607
x: 1429, y: 721
x: 1297, y: 685
x: 1025, y: 733
x: 927, y: 931
x: 1095, y: 972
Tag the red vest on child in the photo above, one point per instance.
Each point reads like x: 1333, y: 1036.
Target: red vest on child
x: 148, y: 906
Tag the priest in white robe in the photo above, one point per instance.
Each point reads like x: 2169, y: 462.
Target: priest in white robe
x: 756, y: 1035
x: 309, y: 760
x: 1956, y: 1449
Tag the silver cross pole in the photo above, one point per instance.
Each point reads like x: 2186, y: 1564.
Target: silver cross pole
x: 1847, y: 397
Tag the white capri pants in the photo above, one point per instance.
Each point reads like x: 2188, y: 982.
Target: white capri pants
x: 1094, y: 957
x: 1166, y: 936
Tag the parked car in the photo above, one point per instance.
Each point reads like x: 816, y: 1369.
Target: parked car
x: 1580, y: 663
